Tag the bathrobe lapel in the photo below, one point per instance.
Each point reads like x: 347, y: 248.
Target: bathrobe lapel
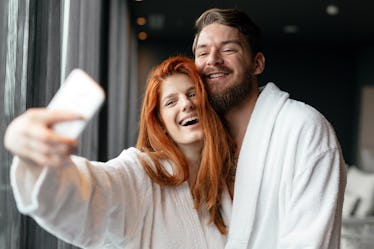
x: 251, y: 163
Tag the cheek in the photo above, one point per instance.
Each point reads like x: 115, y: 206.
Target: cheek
x: 199, y: 64
x: 168, y: 120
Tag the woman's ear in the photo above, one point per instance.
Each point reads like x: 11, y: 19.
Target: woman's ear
x: 259, y: 62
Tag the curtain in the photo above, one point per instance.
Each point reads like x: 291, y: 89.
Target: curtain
x: 124, y: 101
x: 13, y: 51
x: 84, y: 47
x: 42, y: 41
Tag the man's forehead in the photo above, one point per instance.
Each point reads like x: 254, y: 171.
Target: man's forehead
x: 217, y: 29
x: 219, y: 36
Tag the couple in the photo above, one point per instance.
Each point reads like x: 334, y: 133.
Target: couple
x: 176, y: 188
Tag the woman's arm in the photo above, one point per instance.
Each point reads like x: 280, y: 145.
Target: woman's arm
x: 84, y: 203
x: 79, y: 201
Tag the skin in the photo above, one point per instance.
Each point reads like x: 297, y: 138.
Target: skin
x: 224, y: 60
x: 177, y: 106
x: 31, y: 138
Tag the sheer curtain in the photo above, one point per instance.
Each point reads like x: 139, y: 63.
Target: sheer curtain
x: 13, y: 52
x: 42, y: 41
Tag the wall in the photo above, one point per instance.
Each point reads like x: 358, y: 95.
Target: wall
x: 365, y: 79
x: 323, y: 77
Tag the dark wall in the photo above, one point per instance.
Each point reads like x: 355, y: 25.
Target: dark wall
x: 327, y: 78
x: 365, y: 66
x: 324, y: 78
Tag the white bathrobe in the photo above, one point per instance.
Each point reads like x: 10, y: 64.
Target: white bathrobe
x: 114, y: 205
x: 290, y: 178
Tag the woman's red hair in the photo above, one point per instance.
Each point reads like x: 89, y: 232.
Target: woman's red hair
x: 216, y: 156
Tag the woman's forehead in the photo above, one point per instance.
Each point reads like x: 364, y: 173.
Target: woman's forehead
x: 176, y: 82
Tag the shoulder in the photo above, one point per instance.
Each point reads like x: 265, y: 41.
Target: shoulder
x: 300, y: 113
x: 274, y: 101
x: 310, y: 127
x: 290, y: 110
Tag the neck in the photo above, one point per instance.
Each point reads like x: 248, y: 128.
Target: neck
x: 193, y: 156
x: 237, y: 118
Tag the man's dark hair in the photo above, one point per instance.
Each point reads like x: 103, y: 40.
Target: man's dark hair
x: 234, y: 18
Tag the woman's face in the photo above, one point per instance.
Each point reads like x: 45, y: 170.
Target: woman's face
x: 178, y: 110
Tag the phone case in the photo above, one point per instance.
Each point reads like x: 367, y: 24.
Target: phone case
x: 79, y: 94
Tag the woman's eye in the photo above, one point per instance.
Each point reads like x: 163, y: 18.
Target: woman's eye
x: 169, y: 102
x: 192, y: 94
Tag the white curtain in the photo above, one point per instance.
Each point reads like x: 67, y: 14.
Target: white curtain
x: 42, y: 41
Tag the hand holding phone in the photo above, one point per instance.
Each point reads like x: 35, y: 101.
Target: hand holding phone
x: 79, y: 94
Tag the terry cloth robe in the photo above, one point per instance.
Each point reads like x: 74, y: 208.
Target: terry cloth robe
x: 290, y: 178
x: 114, y: 205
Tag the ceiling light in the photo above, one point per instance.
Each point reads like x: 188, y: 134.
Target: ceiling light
x: 142, y: 36
x: 156, y: 21
x: 291, y: 29
x: 141, y: 21
x: 332, y: 9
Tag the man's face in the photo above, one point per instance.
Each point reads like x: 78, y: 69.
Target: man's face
x: 224, y: 60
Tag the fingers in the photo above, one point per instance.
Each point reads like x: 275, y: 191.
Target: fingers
x: 45, y: 134
x: 47, y: 153
x: 31, y: 137
x: 49, y: 160
x: 50, y: 117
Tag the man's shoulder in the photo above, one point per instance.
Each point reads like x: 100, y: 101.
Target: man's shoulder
x: 300, y: 111
x: 292, y: 110
x: 304, y: 119
x: 292, y: 115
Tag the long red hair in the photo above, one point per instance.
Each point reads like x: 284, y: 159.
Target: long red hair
x: 216, y: 154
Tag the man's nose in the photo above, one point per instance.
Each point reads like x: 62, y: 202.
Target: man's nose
x: 214, y: 58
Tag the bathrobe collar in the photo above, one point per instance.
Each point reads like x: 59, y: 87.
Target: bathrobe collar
x: 251, y: 162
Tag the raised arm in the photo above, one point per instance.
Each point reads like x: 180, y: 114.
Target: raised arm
x: 80, y: 201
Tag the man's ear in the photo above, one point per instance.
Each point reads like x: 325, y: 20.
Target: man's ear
x: 259, y: 61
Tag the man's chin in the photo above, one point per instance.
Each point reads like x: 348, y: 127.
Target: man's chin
x: 216, y: 90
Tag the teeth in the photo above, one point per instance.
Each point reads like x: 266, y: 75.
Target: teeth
x: 216, y: 75
x: 189, y: 120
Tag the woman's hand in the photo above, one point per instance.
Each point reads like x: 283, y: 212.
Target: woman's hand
x: 31, y: 138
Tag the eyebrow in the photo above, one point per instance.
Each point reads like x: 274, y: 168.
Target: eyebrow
x: 172, y: 94
x: 167, y: 97
x: 222, y: 43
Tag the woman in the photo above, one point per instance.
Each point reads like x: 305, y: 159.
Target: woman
x: 169, y: 192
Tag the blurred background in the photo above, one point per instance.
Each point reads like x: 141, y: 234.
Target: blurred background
x: 320, y: 51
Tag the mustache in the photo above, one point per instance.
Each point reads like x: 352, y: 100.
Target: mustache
x: 216, y: 69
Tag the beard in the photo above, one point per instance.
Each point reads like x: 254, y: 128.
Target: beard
x: 223, y: 101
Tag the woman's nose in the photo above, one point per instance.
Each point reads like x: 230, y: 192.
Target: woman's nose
x: 187, y: 104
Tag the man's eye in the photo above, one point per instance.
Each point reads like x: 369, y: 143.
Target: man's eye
x: 228, y: 50
x: 201, y: 54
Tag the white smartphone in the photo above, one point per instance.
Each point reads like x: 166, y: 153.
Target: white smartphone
x: 79, y: 94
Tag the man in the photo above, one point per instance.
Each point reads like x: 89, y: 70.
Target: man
x: 290, y: 177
